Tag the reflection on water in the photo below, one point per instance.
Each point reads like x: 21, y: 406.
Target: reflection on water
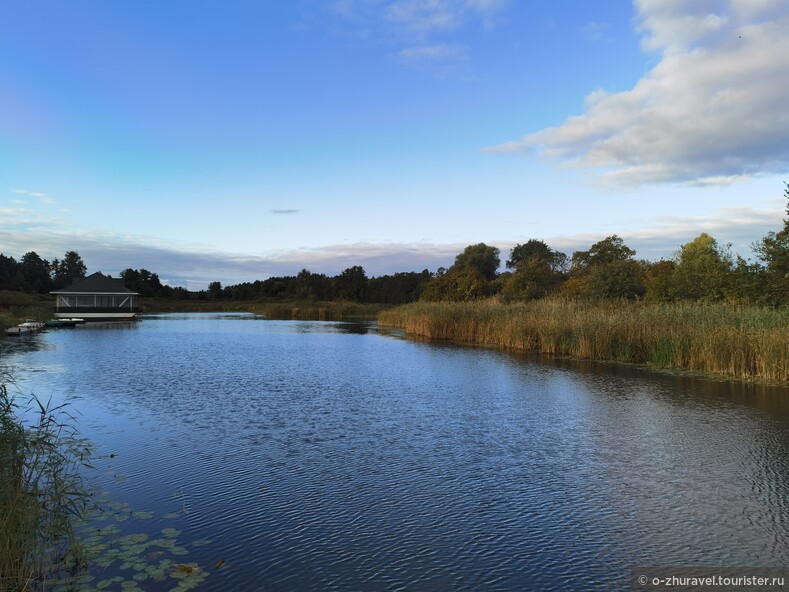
x: 325, y: 456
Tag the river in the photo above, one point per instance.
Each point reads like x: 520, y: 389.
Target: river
x: 293, y: 455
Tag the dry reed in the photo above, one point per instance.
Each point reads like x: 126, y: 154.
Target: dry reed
x: 746, y: 342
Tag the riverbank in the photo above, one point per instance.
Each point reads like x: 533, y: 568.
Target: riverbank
x: 15, y: 307
x: 294, y: 310
x: 744, y: 342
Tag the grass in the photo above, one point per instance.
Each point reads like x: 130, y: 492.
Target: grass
x: 745, y: 342
x: 15, y: 307
x: 42, y: 494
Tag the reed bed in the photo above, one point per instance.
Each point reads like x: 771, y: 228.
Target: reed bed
x: 42, y: 495
x: 318, y: 311
x: 745, y: 342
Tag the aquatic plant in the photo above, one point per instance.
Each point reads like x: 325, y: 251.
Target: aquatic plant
x: 42, y: 493
x: 746, y: 342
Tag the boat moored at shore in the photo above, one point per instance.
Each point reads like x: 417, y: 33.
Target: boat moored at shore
x: 29, y: 326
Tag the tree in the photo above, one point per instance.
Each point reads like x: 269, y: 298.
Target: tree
x: 606, y: 270
x: 659, y: 280
x: 479, y: 257
x: 215, y: 290
x: 351, y: 284
x: 457, y: 285
x: 37, y: 273
x: 702, y: 271
x: 536, y: 249
x: 9, y: 274
x: 68, y: 270
x: 144, y: 282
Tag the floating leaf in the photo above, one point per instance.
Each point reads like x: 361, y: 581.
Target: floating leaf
x: 143, y: 515
x: 171, y: 515
x: 178, y: 550
x: 171, y: 532
x: 201, y: 542
x: 104, y: 584
x: 140, y: 577
x: 133, y: 538
x: 220, y: 564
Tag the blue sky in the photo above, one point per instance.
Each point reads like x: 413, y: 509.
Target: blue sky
x: 234, y: 140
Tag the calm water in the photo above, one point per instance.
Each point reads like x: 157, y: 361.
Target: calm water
x: 330, y: 456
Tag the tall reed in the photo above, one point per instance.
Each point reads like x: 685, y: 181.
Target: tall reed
x: 42, y: 494
x: 746, y: 342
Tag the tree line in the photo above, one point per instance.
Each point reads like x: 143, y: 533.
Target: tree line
x: 35, y: 275
x: 702, y: 270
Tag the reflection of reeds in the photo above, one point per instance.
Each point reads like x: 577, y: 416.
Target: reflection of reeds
x: 41, y: 495
x: 740, y: 341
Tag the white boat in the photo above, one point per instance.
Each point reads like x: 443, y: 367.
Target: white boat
x: 27, y: 327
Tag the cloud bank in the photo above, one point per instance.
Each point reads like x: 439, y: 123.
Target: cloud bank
x: 714, y: 108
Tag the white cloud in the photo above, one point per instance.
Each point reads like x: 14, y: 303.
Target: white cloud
x: 712, y: 110
x: 594, y: 31
x: 413, y: 25
x: 42, y: 197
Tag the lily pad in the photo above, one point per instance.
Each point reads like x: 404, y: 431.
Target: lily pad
x: 201, y: 542
x: 171, y: 515
x: 143, y: 515
x: 178, y: 550
x: 171, y: 532
x: 133, y: 538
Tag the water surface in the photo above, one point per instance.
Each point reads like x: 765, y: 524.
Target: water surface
x: 332, y: 456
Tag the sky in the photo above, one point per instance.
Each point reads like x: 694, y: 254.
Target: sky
x: 235, y: 140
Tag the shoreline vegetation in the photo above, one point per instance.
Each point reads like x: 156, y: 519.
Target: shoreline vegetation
x: 723, y: 339
x: 43, y: 496
x: 716, y: 339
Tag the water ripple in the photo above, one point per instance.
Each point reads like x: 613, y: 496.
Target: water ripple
x: 316, y: 458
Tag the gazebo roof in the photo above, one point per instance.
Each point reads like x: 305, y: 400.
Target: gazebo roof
x: 96, y: 283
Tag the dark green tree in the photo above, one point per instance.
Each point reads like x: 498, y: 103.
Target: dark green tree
x: 457, y: 285
x: 215, y: 290
x: 480, y: 257
x: 10, y: 274
x: 773, y: 252
x: 37, y: 273
x: 351, y: 284
x: 68, y: 270
x: 607, y: 270
x: 142, y: 281
x: 536, y: 249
